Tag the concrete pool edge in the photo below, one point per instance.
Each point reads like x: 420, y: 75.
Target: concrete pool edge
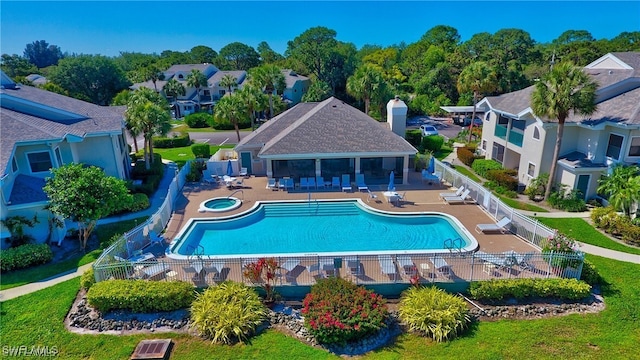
x: 203, y: 205
x: 185, y: 230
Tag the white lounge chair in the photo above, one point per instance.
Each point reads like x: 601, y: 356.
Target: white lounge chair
x: 371, y: 196
x: 387, y: 266
x: 289, y: 265
x: 346, y: 182
x: 405, y: 262
x: 457, y: 199
x: 451, y: 193
x: 353, y: 264
x: 499, y: 262
x: 500, y: 226
x: 244, y: 172
x: 360, y: 183
x: 441, y: 265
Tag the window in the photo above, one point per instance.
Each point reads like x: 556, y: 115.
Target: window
x: 14, y: 164
x: 634, y: 149
x: 614, y: 147
x: 531, y: 170
x: 58, y: 156
x: 536, y: 133
x: 221, y: 93
x: 39, y: 161
x: 484, y: 144
x: 498, y: 153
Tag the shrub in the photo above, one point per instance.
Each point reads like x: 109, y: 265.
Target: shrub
x: 227, y: 312
x: 482, y: 167
x: 198, y: 120
x: 24, y: 256
x: 263, y: 267
x: 413, y: 137
x: 87, y: 279
x: 562, y: 244
x: 590, y: 274
x: 201, y: 150
x: 433, y: 312
x: 172, y: 142
x: 631, y: 234
x: 503, y: 177
x: 602, y: 217
x: 501, y: 190
x: 537, y: 187
x: 431, y: 143
x: 140, y: 202
x: 194, y: 174
x: 465, y: 155
x: 496, y: 290
x: 140, y: 295
x: 338, y: 311
x: 567, y: 200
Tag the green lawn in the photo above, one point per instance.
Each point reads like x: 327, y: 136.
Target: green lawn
x: 580, y: 230
x: 180, y: 155
x: 37, y: 319
x: 103, y: 232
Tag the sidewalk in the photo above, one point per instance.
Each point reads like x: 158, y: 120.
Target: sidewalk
x: 156, y: 200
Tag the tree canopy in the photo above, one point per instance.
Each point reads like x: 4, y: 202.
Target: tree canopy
x: 84, y: 194
x: 41, y: 54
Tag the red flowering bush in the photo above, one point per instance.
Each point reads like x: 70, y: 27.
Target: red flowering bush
x: 338, y: 311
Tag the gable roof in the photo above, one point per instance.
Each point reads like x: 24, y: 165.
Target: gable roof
x: 291, y: 77
x: 240, y: 76
x: 19, y: 124
x: 330, y: 127
x: 618, y: 71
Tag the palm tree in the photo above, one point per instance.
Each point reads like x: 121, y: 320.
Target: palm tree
x: 197, y: 80
x: 564, y: 89
x: 622, y: 187
x: 480, y: 78
x: 148, y: 113
x: 254, y: 99
x: 270, y: 78
x: 173, y: 88
x: 364, y: 84
x: 153, y: 73
x: 228, y: 81
x: 231, y: 108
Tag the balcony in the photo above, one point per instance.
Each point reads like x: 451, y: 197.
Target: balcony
x: 501, y: 132
x: 515, y: 137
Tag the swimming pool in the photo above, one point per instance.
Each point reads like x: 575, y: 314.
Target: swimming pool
x: 319, y: 228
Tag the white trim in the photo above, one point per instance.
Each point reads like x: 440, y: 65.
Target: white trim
x: 608, y: 56
x: 535, y: 167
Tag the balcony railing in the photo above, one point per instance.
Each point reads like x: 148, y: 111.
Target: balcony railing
x: 515, y: 137
x: 501, y: 132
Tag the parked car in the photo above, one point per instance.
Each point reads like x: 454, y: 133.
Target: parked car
x: 428, y: 130
x: 477, y: 122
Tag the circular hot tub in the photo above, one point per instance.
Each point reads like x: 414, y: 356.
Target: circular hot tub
x: 220, y: 204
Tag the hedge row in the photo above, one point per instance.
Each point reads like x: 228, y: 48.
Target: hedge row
x: 140, y: 295
x: 465, y: 154
x: 494, y: 290
x: 25, y: 256
x: 615, y: 224
x: 172, y: 142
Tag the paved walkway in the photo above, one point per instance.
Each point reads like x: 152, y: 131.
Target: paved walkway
x: 160, y: 195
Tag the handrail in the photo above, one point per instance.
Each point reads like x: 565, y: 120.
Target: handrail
x: 237, y: 191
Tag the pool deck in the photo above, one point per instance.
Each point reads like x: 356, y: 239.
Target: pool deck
x: 419, y: 198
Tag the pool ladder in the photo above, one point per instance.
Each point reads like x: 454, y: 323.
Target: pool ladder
x: 454, y: 246
x: 237, y: 191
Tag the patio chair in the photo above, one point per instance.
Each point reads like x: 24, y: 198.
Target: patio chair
x: 288, y: 184
x: 387, y: 266
x: 290, y: 265
x: 282, y: 184
x: 215, y: 269
x: 462, y: 199
x: 155, y: 238
x: 360, y: 183
x: 346, y: 182
x: 400, y: 198
x: 371, y: 196
x: 335, y: 182
x: 208, y: 177
x: 243, y: 172
x: 320, y: 184
x: 304, y: 184
x: 239, y: 183
x: 271, y: 184
x: 155, y: 271
x: 406, y: 264
x: 441, y: 265
x: 500, y: 226
x: 353, y: 264
x: 499, y: 262
x: 312, y: 183
x: 451, y: 193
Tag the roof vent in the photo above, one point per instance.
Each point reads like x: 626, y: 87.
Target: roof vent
x: 610, y: 72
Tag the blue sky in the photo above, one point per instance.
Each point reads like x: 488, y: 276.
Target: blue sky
x: 108, y: 27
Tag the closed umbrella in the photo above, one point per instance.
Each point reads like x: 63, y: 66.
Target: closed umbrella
x: 391, y: 182
x: 229, y: 168
x: 432, y: 166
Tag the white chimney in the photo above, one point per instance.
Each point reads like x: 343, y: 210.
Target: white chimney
x: 397, y: 116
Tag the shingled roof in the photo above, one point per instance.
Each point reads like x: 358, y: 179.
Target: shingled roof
x: 621, y: 108
x: 79, y: 118
x: 325, y: 128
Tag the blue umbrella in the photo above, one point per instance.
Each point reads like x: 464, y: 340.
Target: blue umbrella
x: 229, y: 168
x: 391, y: 185
x: 432, y: 166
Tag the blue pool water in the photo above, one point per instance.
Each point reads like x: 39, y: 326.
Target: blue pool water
x: 320, y: 228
